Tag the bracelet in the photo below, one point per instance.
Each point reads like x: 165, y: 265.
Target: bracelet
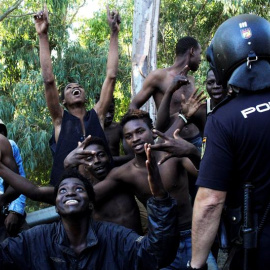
x: 183, y: 118
x: 205, y: 267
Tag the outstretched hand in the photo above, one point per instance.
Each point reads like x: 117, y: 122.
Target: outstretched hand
x: 42, y: 21
x: 175, y: 147
x: 195, y: 101
x: 180, y: 79
x: 78, y: 155
x: 114, y: 20
x: 154, y: 180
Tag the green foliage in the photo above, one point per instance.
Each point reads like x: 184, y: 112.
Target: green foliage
x: 199, y: 19
x: 23, y: 106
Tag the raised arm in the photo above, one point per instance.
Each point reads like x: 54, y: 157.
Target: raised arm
x: 148, y: 89
x: 78, y: 155
x: 163, y: 114
x: 6, y: 158
x: 162, y: 240
x: 51, y: 93
x: 19, y: 183
x: 176, y: 147
x: 189, y: 108
x: 107, y: 89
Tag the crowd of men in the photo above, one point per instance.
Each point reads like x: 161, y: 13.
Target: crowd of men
x: 200, y: 176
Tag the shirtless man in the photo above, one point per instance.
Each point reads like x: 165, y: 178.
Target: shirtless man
x: 95, y: 165
x: 188, y: 53
x: 137, y: 131
x: 120, y: 208
x: 114, y: 135
x: 75, y: 123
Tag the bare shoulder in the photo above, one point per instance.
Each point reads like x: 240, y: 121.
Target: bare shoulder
x: 159, y: 74
x: 116, y: 126
x: 122, y: 172
x: 5, y: 145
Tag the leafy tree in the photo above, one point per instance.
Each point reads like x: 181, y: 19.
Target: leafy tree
x: 23, y: 106
x: 200, y: 19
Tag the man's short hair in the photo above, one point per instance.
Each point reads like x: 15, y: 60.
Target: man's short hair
x: 134, y: 114
x: 99, y: 141
x: 185, y: 44
x: 73, y: 173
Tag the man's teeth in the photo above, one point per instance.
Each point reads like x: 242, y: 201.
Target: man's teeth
x: 71, y: 202
x: 76, y: 92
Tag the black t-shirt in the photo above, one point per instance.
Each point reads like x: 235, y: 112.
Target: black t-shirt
x: 237, y: 148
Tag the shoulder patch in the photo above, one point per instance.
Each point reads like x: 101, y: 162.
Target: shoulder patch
x: 139, y: 239
x: 203, y: 146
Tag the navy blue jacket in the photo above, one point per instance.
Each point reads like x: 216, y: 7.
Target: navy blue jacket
x: 109, y: 246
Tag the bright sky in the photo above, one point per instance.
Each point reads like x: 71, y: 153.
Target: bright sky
x: 86, y: 11
x: 89, y: 8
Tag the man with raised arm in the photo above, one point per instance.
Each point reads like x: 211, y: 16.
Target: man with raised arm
x: 94, y: 163
x: 188, y: 54
x: 74, y: 123
x: 78, y: 242
x: 137, y: 129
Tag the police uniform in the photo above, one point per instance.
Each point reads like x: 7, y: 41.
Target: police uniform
x: 236, y: 143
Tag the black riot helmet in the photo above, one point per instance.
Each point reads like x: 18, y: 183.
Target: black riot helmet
x: 240, y: 50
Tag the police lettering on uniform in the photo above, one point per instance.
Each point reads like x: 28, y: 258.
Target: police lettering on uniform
x: 234, y: 170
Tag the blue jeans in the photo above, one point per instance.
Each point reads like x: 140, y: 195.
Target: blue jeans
x: 184, y: 254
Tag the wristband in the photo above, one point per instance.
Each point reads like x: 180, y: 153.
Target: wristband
x: 183, y: 118
x: 205, y: 267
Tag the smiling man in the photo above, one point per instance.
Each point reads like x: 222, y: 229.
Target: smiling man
x: 137, y: 129
x: 75, y: 123
x: 95, y: 164
x: 78, y: 242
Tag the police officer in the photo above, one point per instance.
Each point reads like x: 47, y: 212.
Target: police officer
x: 237, y: 142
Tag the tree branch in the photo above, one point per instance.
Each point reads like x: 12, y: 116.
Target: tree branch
x: 76, y: 12
x: 22, y: 15
x: 10, y: 9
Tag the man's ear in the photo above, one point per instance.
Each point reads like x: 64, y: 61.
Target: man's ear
x: 64, y: 102
x: 191, y: 51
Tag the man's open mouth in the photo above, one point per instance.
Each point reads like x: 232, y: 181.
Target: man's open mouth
x: 71, y: 202
x: 76, y: 92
